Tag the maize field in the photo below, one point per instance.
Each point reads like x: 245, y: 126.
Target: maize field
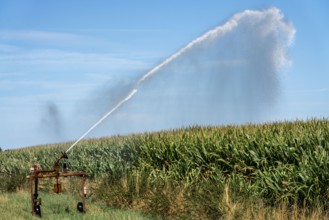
x: 192, y: 170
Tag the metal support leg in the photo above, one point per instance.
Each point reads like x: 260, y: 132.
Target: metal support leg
x: 32, y: 197
x: 36, y: 205
x: 83, y: 194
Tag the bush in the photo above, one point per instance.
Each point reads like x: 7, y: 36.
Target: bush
x: 12, y: 182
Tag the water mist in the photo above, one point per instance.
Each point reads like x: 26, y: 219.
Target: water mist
x: 228, y: 75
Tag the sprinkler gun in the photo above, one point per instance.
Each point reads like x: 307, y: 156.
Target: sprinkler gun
x: 62, y: 155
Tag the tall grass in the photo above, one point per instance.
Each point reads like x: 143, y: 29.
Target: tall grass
x: 17, y: 206
x: 188, y: 172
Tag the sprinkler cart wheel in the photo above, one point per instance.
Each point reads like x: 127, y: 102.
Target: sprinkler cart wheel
x: 37, y: 210
x: 80, y: 207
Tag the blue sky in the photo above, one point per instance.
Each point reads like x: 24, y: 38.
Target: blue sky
x: 60, y: 54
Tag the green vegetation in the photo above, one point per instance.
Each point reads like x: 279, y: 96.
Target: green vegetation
x: 199, y: 172
x: 17, y: 206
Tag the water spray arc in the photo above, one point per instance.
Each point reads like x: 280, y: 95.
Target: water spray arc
x: 216, y: 31
x: 150, y: 73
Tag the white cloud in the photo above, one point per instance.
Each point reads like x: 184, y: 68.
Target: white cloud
x: 36, y: 35
x: 316, y: 90
x: 59, y: 58
x: 7, y: 48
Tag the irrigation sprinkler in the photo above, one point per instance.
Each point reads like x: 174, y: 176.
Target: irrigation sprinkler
x: 59, y: 169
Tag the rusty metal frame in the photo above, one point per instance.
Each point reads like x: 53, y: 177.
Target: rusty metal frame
x: 55, y: 172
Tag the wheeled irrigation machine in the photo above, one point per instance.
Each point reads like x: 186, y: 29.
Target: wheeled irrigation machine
x: 59, y: 169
